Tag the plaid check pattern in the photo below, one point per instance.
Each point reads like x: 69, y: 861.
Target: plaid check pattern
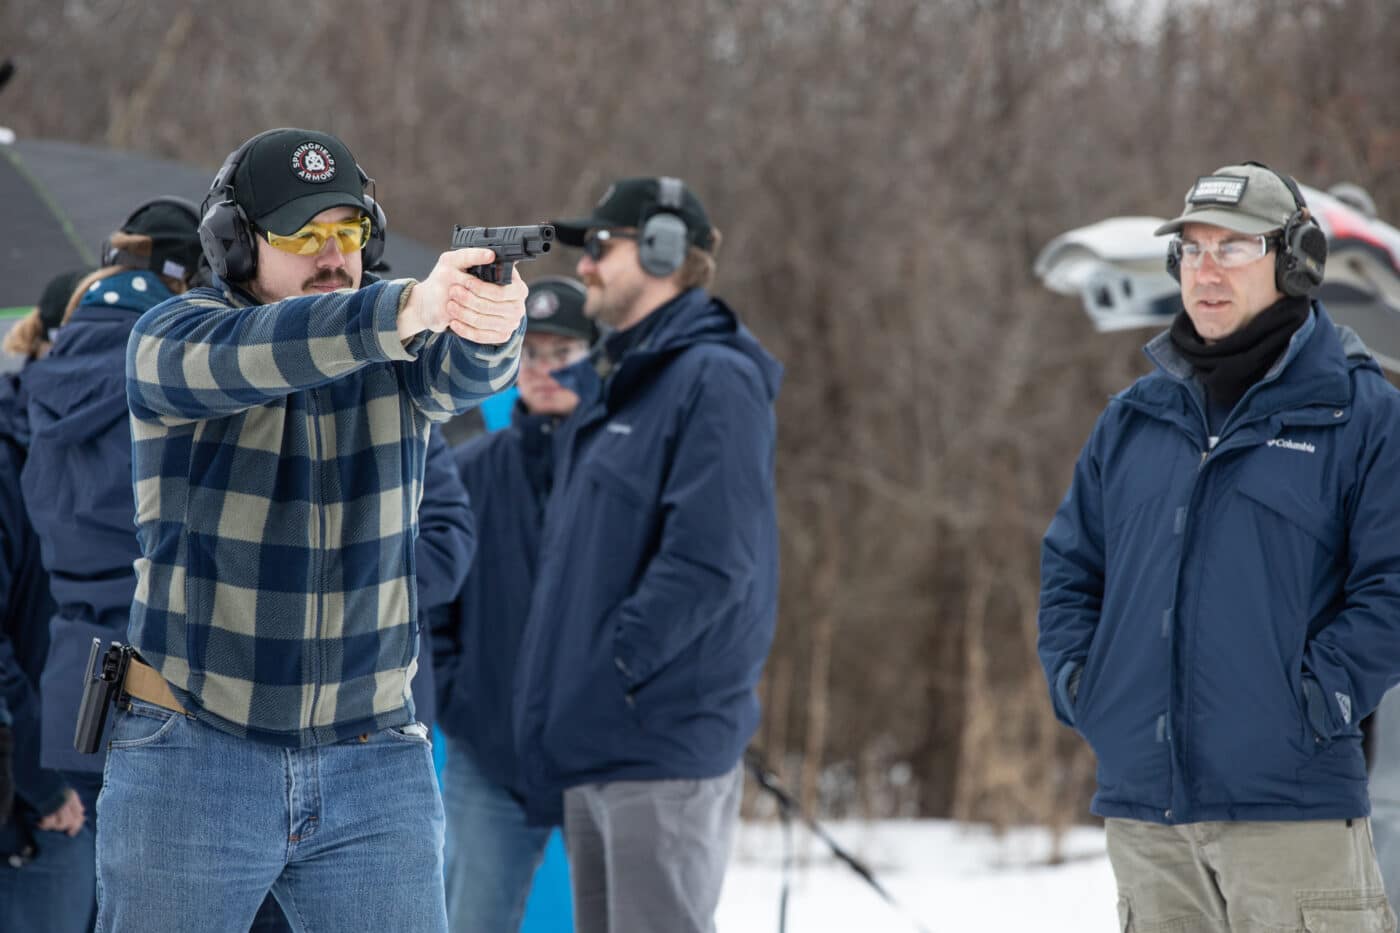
x: 278, y: 456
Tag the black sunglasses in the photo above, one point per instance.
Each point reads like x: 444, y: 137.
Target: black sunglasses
x: 595, y: 244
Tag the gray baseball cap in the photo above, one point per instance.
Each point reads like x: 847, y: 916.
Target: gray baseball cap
x: 1245, y: 198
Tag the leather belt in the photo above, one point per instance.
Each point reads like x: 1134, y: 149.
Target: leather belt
x: 143, y: 683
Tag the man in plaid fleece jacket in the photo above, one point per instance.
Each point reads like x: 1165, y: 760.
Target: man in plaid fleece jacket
x: 280, y: 421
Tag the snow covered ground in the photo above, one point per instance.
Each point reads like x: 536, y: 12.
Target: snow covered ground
x: 953, y: 878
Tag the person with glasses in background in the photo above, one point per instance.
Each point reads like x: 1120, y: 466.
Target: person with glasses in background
x: 496, y: 830
x: 656, y: 589
x: 265, y: 736
x: 1220, y: 587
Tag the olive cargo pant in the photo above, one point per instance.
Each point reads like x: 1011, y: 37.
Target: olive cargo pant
x: 1248, y: 877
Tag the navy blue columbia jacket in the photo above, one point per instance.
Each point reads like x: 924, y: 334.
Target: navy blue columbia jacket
x: 77, y: 486
x: 476, y: 641
x: 656, y: 590
x: 1235, y: 611
x: 24, y: 597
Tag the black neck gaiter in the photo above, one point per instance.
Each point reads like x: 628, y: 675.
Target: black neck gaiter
x: 1230, y: 365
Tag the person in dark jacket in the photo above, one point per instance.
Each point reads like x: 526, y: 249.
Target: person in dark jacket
x: 266, y: 739
x: 444, y: 552
x: 496, y: 834
x: 77, y: 478
x: 32, y: 335
x: 1221, y: 585
x: 656, y: 589
x: 47, y: 874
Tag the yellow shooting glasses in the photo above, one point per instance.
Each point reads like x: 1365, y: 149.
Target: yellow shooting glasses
x: 349, y: 236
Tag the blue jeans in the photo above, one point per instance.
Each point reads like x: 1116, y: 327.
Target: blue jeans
x: 195, y: 826
x: 53, y: 892
x: 491, y: 852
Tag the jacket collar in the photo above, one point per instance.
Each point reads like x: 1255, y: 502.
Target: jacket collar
x: 1315, y: 369
x: 692, y: 317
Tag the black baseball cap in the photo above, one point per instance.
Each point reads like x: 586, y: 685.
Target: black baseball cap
x: 288, y: 176
x: 628, y: 202
x: 555, y: 306
x: 173, y: 226
x: 56, y: 295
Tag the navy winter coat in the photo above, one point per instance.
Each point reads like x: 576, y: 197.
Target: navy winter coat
x: 476, y: 641
x: 1234, y: 612
x: 24, y: 631
x: 656, y: 591
x: 442, y: 553
x: 77, y: 486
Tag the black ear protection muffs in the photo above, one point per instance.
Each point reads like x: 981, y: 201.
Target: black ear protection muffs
x: 663, y: 240
x: 1173, y: 258
x: 226, y: 234
x: 373, y: 250
x: 1300, y: 252
x: 1302, y: 247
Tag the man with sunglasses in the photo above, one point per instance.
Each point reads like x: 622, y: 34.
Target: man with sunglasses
x: 1220, y: 587
x: 656, y: 590
x: 265, y: 735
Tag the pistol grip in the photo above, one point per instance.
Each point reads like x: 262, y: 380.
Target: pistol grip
x: 497, y: 273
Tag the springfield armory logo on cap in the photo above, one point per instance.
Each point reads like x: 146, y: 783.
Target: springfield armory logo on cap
x: 542, y: 305
x: 1218, y: 189
x: 313, y: 162
x: 606, y: 195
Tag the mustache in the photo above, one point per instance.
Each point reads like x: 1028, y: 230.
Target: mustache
x: 338, y: 277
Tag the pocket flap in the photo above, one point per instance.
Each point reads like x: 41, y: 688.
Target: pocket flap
x: 1360, y: 913
x: 1295, y: 507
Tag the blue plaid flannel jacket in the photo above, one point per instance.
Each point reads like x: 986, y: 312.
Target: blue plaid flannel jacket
x: 277, y: 458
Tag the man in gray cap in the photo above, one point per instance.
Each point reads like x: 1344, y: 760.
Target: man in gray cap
x: 265, y: 737
x: 1220, y: 586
